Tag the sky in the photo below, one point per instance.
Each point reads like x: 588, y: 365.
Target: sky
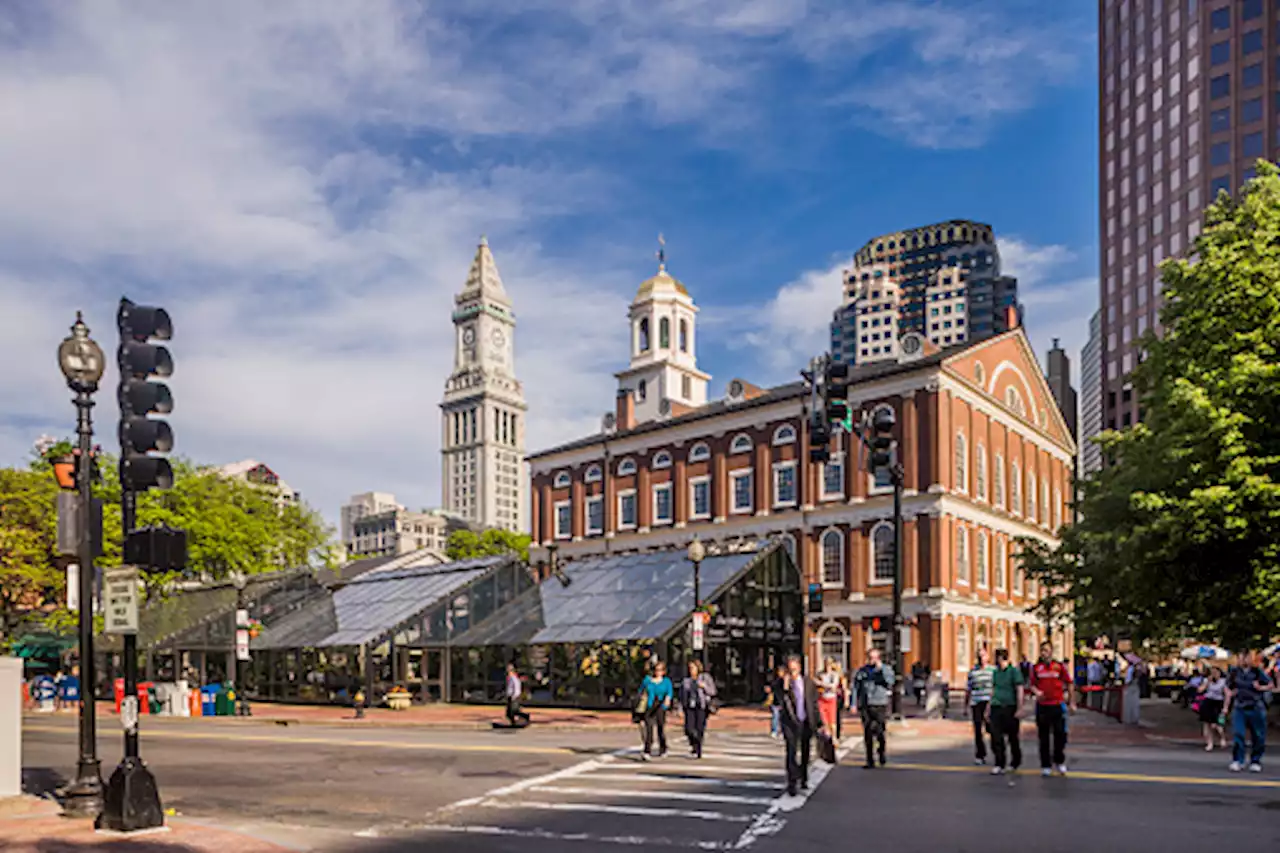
x: 302, y: 186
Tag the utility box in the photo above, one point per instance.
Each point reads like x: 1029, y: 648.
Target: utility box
x: 10, y: 727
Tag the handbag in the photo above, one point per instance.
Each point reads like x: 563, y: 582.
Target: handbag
x: 826, y: 748
x: 642, y: 704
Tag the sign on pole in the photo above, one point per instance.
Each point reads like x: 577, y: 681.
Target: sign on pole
x: 699, y: 619
x: 121, y: 595
x: 242, y: 644
x: 73, y: 587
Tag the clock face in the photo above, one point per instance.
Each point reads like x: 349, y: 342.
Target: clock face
x: 468, y: 336
x: 498, y: 338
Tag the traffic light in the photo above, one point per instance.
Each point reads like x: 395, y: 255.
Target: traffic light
x: 835, y: 392
x: 141, y: 436
x: 815, y: 598
x: 883, y: 446
x: 819, y: 439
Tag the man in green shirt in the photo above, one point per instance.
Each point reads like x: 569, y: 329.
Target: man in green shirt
x: 1006, y: 706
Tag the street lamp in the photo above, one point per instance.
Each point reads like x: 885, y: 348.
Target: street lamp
x: 242, y: 644
x: 82, y: 363
x: 697, y: 553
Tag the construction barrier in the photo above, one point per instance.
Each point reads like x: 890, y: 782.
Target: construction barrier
x: 1108, y: 701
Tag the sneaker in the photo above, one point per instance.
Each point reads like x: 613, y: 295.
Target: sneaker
x: 979, y: 761
x: 1255, y: 767
x: 1045, y: 771
x: 1235, y: 767
x: 1062, y: 770
x: 644, y: 756
x: 1208, y: 747
x: 997, y: 771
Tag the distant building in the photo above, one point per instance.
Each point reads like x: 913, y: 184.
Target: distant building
x: 359, y: 506
x: 940, y: 281
x: 395, y: 531
x: 1091, y: 397
x: 1059, y: 377
x: 253, y: 471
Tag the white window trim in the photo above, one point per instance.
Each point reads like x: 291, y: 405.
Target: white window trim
x: 594, y: 475
x: 829, y: 633
x: 963, y: 531
x: 981, y: 472
x: 1032, y: 503
x: 594, y: 531
x: 742, y: 436
x: 734, y: 476
x: 1015, y: 488
x: 1057, y: 509
x: 961, y: 444
x: 873, y: 489
x: 982, y: 561
x: 661, y: 460
x: 872, y: 580
x: 795, y: 483
x: 556, y: 532
x: 694, y: 515
x: 700, y: 452
x: 623, y: 493
x: 780, y: 439
x: 822, y: 559
x: 999, y: 496
x: 828, y: 496
x: 562, y: 480
x: 1001, y: 564
x: 669, y: 489
x: 626, y: 463
x: 1045, y: 506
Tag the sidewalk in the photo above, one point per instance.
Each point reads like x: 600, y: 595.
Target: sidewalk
x: 32, y: 825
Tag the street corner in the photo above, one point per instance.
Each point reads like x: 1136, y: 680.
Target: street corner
x: 34, y: 825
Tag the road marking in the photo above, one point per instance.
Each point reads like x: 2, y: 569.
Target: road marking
x: 687, y: 779
x: 691, y: 796
x: 310, y: 741
x: 771, y: 821
x: 608, y: 808
x: 1106, y: 777
x: 547, y: 835
x: 705, y: 765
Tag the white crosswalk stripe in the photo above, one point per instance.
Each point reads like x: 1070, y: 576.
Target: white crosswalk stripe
x: 725, y: 801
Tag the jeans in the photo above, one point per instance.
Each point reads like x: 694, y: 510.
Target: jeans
x: 1253, y: 723
x: 775, y: 719
x: 695, y: 728
x: 873, y: 719
x: 655, y: 719
x: 1051, y: 726
x: 1004, y: 728
x: 978, y: 711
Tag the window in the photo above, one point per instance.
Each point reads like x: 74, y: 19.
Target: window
x: 962, y: 648
x: 684, y: 336
x: 1220, y: 19
x: 962, y: 554
x: 740, y: 486
x: 642, y: 336
x: 1017, y: 577
x: 1013, y: 400
x: 699, y: 453
x: 626, y: 467
x: 1251, y: 111
x: 662, y: 459
x: 664, y: 333
x: 1220, y: 120
x: 627, y: 509
x: 833, y: 558
x: 700, y: 497
x: 1015, y: 488
x: 1057, y: 508
x: 980, y: 474
x: 1220, y: 53
x: 833, y: 477
x: 595, y: 515
x: 1251, y: 9
x: 1002, y: 565
x: 564, y: 519
x: 593, y: 475
x: 1251, y: 77
x: 785, y: 434
x: 784, y: 484
x: 1220, y: 86
x: 1218, y: 185
x: 642, y: 391
x: 562, y: 480
x: 882, y: 562
x: 833, y: 645
x: 662, y: 504
x: 980, y: 373
x: 1251, y: 145
x: 686, y: 387
x: 962, y: 463
x: 741, y: 444
x: 984, y: 567
x: 1031, y: 495
x: 1251, y: 42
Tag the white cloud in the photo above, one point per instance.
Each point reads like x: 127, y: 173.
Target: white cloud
x: 1059, y: 300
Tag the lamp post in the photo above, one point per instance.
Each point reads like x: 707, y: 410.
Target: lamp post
x: 242, y: 644
x: 697, y: 553
x: 82, y: 363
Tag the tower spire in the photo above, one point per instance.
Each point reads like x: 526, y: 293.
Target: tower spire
x: 662, y: 253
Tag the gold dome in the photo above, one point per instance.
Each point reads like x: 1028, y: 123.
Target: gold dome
x: 660, y: 283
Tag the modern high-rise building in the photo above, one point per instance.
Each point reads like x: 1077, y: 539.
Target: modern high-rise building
x: 1188, y: 89
x: 941, y: 281
x: 1091, y: 397
x: 482, y: 427
x: 1058, y: 375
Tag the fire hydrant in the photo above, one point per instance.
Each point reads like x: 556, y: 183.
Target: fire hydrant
x: 359, y: 701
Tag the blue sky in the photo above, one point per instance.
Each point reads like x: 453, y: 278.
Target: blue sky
x: 302, y: 186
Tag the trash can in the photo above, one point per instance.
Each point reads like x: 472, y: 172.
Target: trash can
x: 224, y: 705
x: 152, y: 695
x: 209, y: 699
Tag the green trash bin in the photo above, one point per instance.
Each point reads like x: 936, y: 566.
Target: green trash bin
x: 151, y: 699
x: 224, y: 703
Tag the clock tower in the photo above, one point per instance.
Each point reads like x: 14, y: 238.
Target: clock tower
x: 483, y: 412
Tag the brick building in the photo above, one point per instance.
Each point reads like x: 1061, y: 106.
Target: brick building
x: 987, y: 459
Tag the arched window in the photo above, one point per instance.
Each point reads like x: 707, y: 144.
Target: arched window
x: 980, y: 373
x: 785, y: 434
x: 626, y: 467
x: 562, y: 480
x: 984, y: 565
x: 664, y: 333
x: 1002, y: 565
x: 741, y: 444
x: 643, y: 335
x: 1013, y: 400
x: 833, y: 644
x: 699, y: 453
x: 1057, y: 508
x: 1015, y: 569
x: 1015, y: 487
x: 593, y: 475
x: 684, y: 336
x: 832, y: 558
x: 642, y: 391
x: 962, y: 463
x: 1031, y: 495
x: 980, y: 473
x: 962, y: 554
x: 997, y: 495
x: 882, y: 564
x: 962, y: 648
x: 662, y: 459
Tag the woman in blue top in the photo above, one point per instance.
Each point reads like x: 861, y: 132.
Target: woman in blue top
x: 656, y: 701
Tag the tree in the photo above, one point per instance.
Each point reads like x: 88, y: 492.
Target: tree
x: 467, y: 545
x: 1180, y: 534
x: 28, y: 577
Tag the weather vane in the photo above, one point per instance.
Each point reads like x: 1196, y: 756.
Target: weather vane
x: 662, y: 253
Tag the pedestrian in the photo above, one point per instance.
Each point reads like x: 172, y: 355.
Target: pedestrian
x: 873, y: 686
x: 57, y: 690
x: 800, y: 722
x: 1212, y: 697
x: 70, y: 688
x: 1004, y: 714
x: 656, y: 699
x: 1246, y: 686
x: 515, y: 689
x: 829, y: 694
x: 697, y: 692
x: 842, y: 701
x: 977, y: 697
x: 1051, y: 685
x: 919, y: 679
x: 775, y: 689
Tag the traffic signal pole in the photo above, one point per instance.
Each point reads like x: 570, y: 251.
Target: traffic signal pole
x: 897, y: 591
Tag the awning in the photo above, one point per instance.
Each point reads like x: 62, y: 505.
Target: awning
x: 42, y: 645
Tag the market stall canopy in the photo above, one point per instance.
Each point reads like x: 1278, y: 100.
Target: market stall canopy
x: 47, y: 646
x: 1204, y: 653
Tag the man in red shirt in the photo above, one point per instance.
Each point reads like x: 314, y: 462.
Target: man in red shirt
x: 1051, y: 685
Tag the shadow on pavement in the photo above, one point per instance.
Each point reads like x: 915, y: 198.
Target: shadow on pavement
x: 42, y: 781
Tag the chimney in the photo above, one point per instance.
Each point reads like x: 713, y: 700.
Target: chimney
x: 626, y: 410
x: 1011, y: 317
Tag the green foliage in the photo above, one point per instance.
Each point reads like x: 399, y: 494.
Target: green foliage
x: 466, y: 544
x: 28, y: 526
x: 1181, y: 534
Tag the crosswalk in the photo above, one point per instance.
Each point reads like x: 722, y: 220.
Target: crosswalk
x: 733, y: 796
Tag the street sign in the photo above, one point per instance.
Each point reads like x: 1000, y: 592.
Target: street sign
x: 242, y: 644
x: 129, y: 714
x: 121, y: 595
x: 699, y: 620
x: 904, y: 633
x: 73, y: 587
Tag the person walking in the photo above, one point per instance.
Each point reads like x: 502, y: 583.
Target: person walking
x: 775, y: 689
x: 800, y: 722
x: 1051, y: 685
x: 696, y: 692
x: 977, y: 696
x: 1212, y: 696
x: 516, y: 718
x: 873, y: 687
x: 1246, y: 686
x: 1004, y: 714
x: 829, y: 694
x: 656, y: 701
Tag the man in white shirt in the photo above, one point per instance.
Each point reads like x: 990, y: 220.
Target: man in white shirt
x: 516, y: 717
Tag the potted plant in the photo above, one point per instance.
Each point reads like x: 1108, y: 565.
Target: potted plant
x: 254, y: 627
x: 62, y: 456
x: 398, y: 698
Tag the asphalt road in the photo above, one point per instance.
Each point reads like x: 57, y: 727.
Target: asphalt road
x: 391, y: 790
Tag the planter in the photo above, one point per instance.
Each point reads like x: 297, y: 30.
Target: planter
x: 399, y: 701
x: 64, y: 471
